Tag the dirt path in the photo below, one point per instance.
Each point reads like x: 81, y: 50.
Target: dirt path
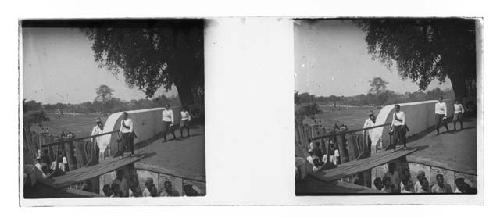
x: 183, y: 157
x: 455, y: 150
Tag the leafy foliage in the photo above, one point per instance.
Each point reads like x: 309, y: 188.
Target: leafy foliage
x: 104, y: 93
x: 33, y: 113
x: 154, y: 54
x: 306, y: 110
x: 425, y: 49
x: 377, y: 86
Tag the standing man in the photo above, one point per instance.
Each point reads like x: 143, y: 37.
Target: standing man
x: 370, y: 122
x: 127, y: 131
x: 398, y: 127
x: 185, y: 120
x: 98, y: 141
x: 168, y: 122
x: 458, y: 114
x: 440, y: 114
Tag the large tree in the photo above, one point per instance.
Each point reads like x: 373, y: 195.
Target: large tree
x: 377, y: 86
x: 153, y: 54
x: 426, y: 49
x: 104, y: 93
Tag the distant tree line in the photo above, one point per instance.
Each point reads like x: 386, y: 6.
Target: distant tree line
x: 385, y: 97
x: 112, y: 105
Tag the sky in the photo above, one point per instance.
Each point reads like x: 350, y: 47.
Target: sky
x: 331, y: 58
x: 59, y: 66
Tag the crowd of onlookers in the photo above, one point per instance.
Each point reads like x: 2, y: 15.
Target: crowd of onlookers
x: 319, y: 155
x: 122, y: 187
x: 392, y: 182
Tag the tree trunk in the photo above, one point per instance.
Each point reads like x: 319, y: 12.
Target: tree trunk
x: 459, y: 87
x: 185, y: 95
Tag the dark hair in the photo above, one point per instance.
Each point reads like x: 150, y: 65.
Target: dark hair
x: 377, y: 180
x: 115, y: 188
x: 189, y: 190
x: 459, y: 181
x: 387, y: 180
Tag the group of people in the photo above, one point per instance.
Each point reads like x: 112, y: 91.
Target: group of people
x: 319, y: 154
x: 441, y: 115
x: 44, y: 166
x: 399, y: 128
x: 392, y: 182
x: 168, y: 122
x: 122, y: 187
x: 127, y: 134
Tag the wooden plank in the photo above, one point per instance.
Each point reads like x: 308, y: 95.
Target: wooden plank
x: 85, y: 173
x: 361, y: 165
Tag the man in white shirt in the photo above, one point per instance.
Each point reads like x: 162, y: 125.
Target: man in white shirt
x: 370, y: 122
x: 185, y: 120
x: 440, y: 115
x: 458, y: 114
x: 168, y: 122
x: 99, y: 140
x: 127, y: 132
x: 398, y: 127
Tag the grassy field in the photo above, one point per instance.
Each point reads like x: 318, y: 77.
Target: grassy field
x: 353, y: 117
x: 79, y: 124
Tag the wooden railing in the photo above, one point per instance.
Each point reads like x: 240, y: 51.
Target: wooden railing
x: 79, y: 152
x: 351, y: 144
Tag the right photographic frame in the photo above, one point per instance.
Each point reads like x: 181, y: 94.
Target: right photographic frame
x: 387, y: 106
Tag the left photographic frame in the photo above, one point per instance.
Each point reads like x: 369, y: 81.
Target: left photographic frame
x: 112, y: 108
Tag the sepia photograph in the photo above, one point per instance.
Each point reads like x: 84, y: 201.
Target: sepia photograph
x: 387, y: 106
x: 112, y: 108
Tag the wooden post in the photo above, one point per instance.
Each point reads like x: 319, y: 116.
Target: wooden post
x: 327, y: 147
x: 364, y: 141
x: 303, y: 137
x: 182, y: 187
x: 352, y: 147
x: 80, y: 159
x: 69, y: 157
x: 341, y: 143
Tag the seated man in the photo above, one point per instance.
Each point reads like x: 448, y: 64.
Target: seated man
x: 422, y: 184
x: 191, y: 190
x: 168, y: 190
x: 150, y: 190
x: 107, y: 190
x: 393, y: 174
x: 441, y: 186
x: 388, y: 186
x: 116, y: 191
x: 464, y: 188
x: 378, y: 183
